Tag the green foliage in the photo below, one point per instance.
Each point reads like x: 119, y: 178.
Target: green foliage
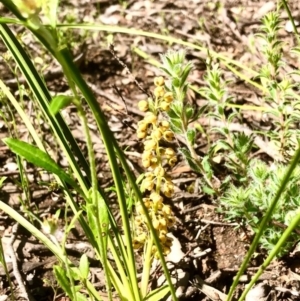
x: 249, y: 203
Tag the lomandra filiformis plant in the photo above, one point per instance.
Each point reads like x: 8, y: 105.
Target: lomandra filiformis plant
x: 157, y: 184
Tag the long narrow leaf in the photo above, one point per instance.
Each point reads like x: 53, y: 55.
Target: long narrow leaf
x: 38, y: 157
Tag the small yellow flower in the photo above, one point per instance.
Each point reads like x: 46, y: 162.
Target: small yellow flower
x: 136, y: 244
x: 141, y: 134
x: 150, y: 118
x: 171, y: 221
x: 159, y: 81
x: 169, y: 152
x: 155, y: 197
x: 165, y: 106
x: 172, y: 161
x: 159, y: 171
x: 159, y: 91
x: 156, y: 134
x: 167, y: 210
x: 168, y: 189
x: 28, y: 8
x: 162, y: 222
x: 169, y: 241
x: 150, y: 144
x: 147, y: 184
x: 141, y: 238
x: 169, y: 136
x: 139, y: 210
x: 164, y: 125
x: 146, y: 162
x: 166, y: 250
x: 155, y: 224
x: 147, y: 202
x: 142, y: 125
x: 168, y: 97
x: 143, y: 105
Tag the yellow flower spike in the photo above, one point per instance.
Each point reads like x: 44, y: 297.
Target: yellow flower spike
x: 168, y: 136
x: 150, y: 118
x: 165, y: 106
x: 168, y: 97
x: 159, y: 81
x: 159, y: 91
x: 143, y: 105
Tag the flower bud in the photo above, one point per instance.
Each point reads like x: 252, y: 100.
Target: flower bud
x: 169, y: 152
x: 143, y: 105
x: 168, y: 97
x: 141, y: 134
x: 156, y: 134
x: 159, y: 81
x: 165, y: 106
x: 150, y: 118
x: 169, y: 136
x: 150, y: 144
x: 159, y: 91
x: 155, y: 197
x: 159, y: 171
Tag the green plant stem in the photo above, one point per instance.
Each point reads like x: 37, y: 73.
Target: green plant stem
x: 147, y: 266
x: 94, y: 189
